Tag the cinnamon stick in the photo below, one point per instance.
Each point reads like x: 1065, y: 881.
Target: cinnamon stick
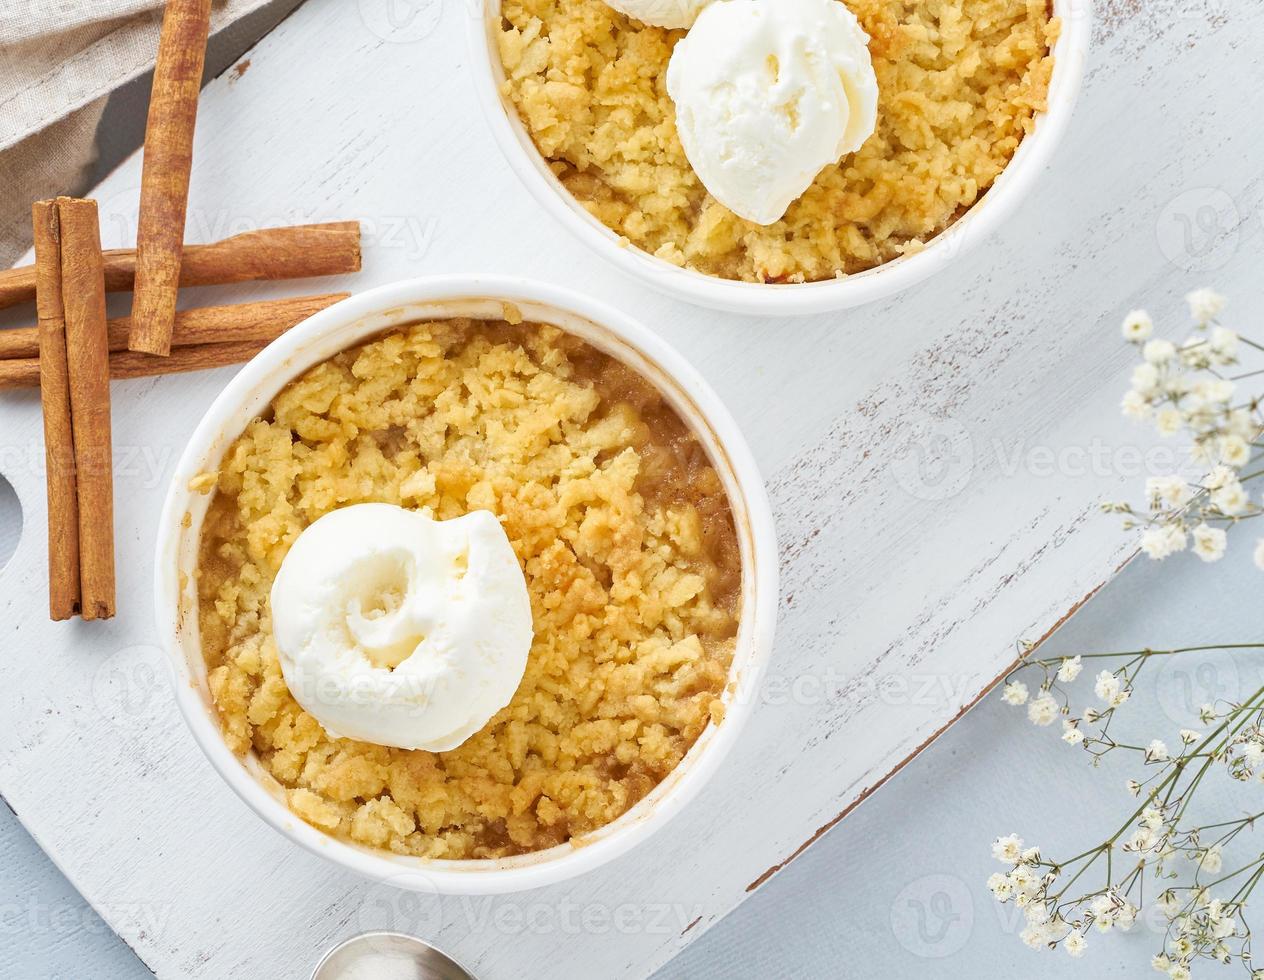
x: 164, y: 189
x: 24, y: 372
x: 87, y: 357
x: 53, y: 377
x: 260, y: 321
x: 295, y: 252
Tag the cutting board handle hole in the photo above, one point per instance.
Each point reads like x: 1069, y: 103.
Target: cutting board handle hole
x: 10, y: 521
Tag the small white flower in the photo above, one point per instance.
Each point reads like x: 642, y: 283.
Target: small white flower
x: 1071, y: 734
x: 1015, y: 693
x: 1189, y: 736
x: 1033, y: 937
x: 1171, y: 491
x: 1240, y: 423
x: 1070, y: 669
x: 1142, y: 840
x: 1221, y: 953
x: 1134, y: 406
x: 1204, y: 305
x: 1025, y: 880
x: 1209, y: 542
x: 1037, y: 914
x: 1169, y: 904
x: 1001, y: 887
x: 1008, y: 850
x: 1176, y: 385
x: 1253, y: 753
x: 1224, y: 344
x: 1220, y: 477
x: 1133, y: 787
x: 1212, y: 860
x: 1137, y: 326
x: 1152, y: 818
x: 1043, y: 711
x: 1156, y: 751
x: 1091, y: 715
x: 1166, y: 539
x: 1230, y: 499
x: 1206, y: 713
x: 1106, y: 686
x: 1178, y: 971
x: 1168, y: 421
x: 1158, y: 351
x: 1030, y: 856
x: 1075, y: 944
x: 1126, y: 917
x: 1217, y: 391
x: 1160, y: 963
x: 1234, y: 451
x: 1195, y: 353
x: 1223, y: 928
x: 1145, y: 379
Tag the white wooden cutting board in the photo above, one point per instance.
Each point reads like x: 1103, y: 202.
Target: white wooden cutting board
x: 935, y: 463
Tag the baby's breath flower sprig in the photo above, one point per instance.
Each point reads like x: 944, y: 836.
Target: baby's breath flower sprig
x: 1189, y: 388
x: 1205, y: 915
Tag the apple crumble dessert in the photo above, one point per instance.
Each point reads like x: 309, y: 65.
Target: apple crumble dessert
x: 959, y: 83
x: 626, y: 542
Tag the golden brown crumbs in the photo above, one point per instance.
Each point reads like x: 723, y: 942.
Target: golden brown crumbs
x: 960, y: 82
x: 624, y: 534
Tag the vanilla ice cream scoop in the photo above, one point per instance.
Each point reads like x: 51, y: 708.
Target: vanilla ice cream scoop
x: 401, y: 630
x: 767, y: 93
x: 660, y: 13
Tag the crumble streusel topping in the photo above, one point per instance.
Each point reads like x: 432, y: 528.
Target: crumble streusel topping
x: 959, y: 85
x: 624, y: 534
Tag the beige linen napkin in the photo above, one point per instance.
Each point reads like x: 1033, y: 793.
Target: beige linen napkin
x: 59, y: 59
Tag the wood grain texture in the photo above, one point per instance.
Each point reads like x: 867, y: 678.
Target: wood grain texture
x: 168, y: 161
x: 935, y: 462
x: 294, y: 252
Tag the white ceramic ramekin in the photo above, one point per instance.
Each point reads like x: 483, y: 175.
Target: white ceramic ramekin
x: 354, y: 321
x: 791, y: 298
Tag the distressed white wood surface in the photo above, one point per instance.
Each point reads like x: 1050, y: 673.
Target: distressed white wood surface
x: 935, y: 464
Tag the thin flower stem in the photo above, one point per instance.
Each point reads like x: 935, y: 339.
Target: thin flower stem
x: 1168, y: 783
x: 1154, y: 653
x: 1258, y: 861
x: 1189, y: 792
x: 1241, y: 820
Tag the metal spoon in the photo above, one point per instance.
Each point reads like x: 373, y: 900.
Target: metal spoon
x: 388, y: 956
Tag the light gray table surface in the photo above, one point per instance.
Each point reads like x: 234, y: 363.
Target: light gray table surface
x: 894, y: 891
